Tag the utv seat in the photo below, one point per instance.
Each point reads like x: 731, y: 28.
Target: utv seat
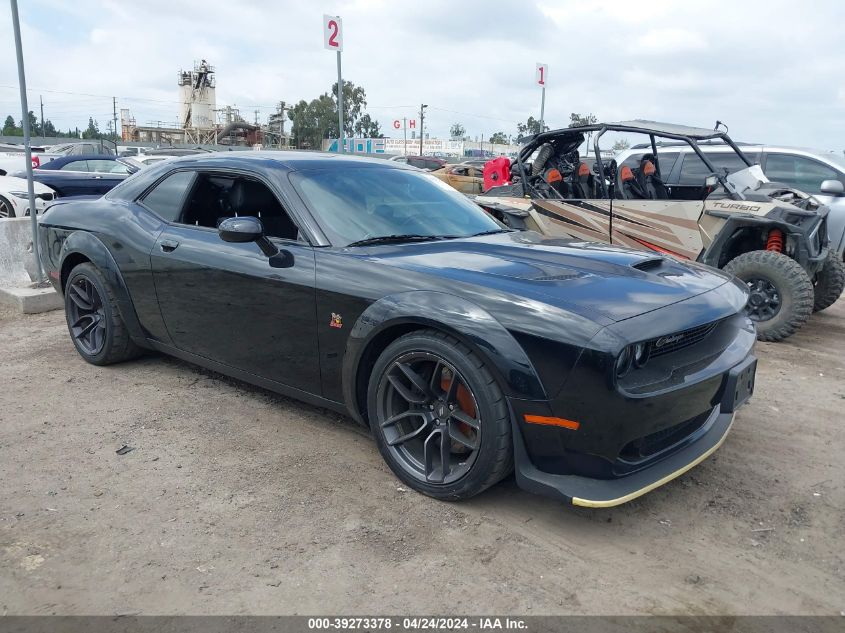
x: 649, y: 183
x: 627, y: 186
x: 581, y: 182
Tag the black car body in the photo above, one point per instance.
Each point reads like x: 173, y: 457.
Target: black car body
x: 308, y: 314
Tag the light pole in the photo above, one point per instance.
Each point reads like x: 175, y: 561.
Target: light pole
x: 422, y: 129
x: 27, y: 140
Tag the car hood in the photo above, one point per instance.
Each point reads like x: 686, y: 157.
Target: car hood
x: 586, y: 278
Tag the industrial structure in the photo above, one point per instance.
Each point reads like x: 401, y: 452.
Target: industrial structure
x: 200, y: 121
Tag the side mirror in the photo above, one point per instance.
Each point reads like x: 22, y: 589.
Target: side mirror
x: 832, y: 188
x: 711, y: 181
x: 240, y: 230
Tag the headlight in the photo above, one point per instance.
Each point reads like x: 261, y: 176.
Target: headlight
x: 623, y: 363
x: 641, y: 353
x: 635, y: 355
x: 20, y: 194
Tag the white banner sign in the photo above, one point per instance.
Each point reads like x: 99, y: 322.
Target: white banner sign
x: 542, y: 74
x: 332, y: 33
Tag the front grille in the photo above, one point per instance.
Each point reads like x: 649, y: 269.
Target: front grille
x: 673, y: 342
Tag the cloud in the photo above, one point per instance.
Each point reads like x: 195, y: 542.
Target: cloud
x: 768, y: 68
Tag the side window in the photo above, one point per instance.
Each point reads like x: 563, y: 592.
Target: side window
x: 216, y: 197
x: 167, y: 197
x: 802, y: 173
x: 76, y: 165
x: 107, y: 166
x: 694, y: 171
x: 667, y: 162
x: 460, y: 171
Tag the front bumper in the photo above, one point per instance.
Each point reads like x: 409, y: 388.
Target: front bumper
x: 628, y: 444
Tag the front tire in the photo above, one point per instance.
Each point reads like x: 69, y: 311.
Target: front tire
x: 93, y: 319
x: 781, y: 298
x: 830, y: 281
x: 6, y: 208
x: 440, y: 420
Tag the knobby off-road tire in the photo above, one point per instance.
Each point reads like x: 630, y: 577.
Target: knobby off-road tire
x: 430, y: 397
x: 830, y: 281
x: 781, y: 298
x: 93, y: 319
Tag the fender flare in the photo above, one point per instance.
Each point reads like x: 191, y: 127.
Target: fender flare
x: 449, y: 313
x: 92, y: 248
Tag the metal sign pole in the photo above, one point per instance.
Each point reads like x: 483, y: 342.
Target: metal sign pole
x: 405, y: 132
x: 542, y: 107
x: 339, y: 107
x: 26, y: 140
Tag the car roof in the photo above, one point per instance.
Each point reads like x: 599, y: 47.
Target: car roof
x: 286, y: 159
x: 75, y: 157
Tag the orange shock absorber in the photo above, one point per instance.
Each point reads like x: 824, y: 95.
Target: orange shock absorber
x: 775, y: 242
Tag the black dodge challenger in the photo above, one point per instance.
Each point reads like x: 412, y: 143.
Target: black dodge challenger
x: 365, y: 286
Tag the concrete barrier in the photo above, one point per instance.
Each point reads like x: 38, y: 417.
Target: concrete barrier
x: 17, y: 264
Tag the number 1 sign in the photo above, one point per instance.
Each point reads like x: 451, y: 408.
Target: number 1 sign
x: 542, y: 74
x: 332, y: 33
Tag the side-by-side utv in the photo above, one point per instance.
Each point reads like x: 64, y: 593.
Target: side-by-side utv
x: 771, y: 236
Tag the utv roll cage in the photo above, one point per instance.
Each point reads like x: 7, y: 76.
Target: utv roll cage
x: 689, y: 135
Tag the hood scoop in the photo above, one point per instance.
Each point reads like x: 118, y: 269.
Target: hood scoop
x: 649, y: 264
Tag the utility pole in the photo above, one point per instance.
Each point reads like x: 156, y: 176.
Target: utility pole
x: 40, y: 98
x: 422, y: 122
x: 27, y: 141
x: 114, y: 114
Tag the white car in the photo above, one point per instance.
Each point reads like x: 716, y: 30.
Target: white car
x: 14, y: 197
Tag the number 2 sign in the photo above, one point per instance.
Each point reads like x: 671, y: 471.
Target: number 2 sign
x: 542, y: 75
x: 332, y: 33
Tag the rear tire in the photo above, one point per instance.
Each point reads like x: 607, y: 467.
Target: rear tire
x: 93, y: 319
x: 781, y: 298
x: 830, y: 281
x: 431, y: 400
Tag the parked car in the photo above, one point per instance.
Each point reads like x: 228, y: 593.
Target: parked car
x: 820, y: 174
x: 469, y: 349
x: 465, y: 178
x: 93, y: 163
x: 429, y: 163
x: 81, y: 175
x: 14, y: 197
x: 771, y: 236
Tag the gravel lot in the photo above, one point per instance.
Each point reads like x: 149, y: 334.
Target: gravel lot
x: 235, y: 500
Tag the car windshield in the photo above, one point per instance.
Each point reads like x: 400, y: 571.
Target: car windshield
x: 355, y: 204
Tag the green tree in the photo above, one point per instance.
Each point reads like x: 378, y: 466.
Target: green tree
x: 10, y: 129
x: 621, y: 144
x: 499, y: 138
x: 93, y: 130
x: 49, y: 129
x: 457, y: 131
x: 315, y: 120
x: 530, y: 127
x: 366, y: 127
x: 576, y: 120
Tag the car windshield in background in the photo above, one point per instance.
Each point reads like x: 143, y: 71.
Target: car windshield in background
x: 362, y: 204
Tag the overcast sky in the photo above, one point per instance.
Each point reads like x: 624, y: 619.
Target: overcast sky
x: 773, y: 70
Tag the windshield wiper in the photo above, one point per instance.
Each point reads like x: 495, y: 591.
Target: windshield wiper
x: 388, y: 239
x: 492, y: 232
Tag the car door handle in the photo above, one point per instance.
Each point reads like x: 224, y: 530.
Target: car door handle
x: 168, y: 246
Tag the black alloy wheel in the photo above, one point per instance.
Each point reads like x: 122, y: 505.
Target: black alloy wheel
x: 439, y: 417
x: 94, y: 320
x: 429, y: 417
x: 764, y: 301
x: 86, y: 315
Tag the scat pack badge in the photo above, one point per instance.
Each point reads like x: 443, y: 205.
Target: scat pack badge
x: 337, y: 321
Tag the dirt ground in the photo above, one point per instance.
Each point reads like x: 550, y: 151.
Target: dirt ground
x: 235, y: 500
